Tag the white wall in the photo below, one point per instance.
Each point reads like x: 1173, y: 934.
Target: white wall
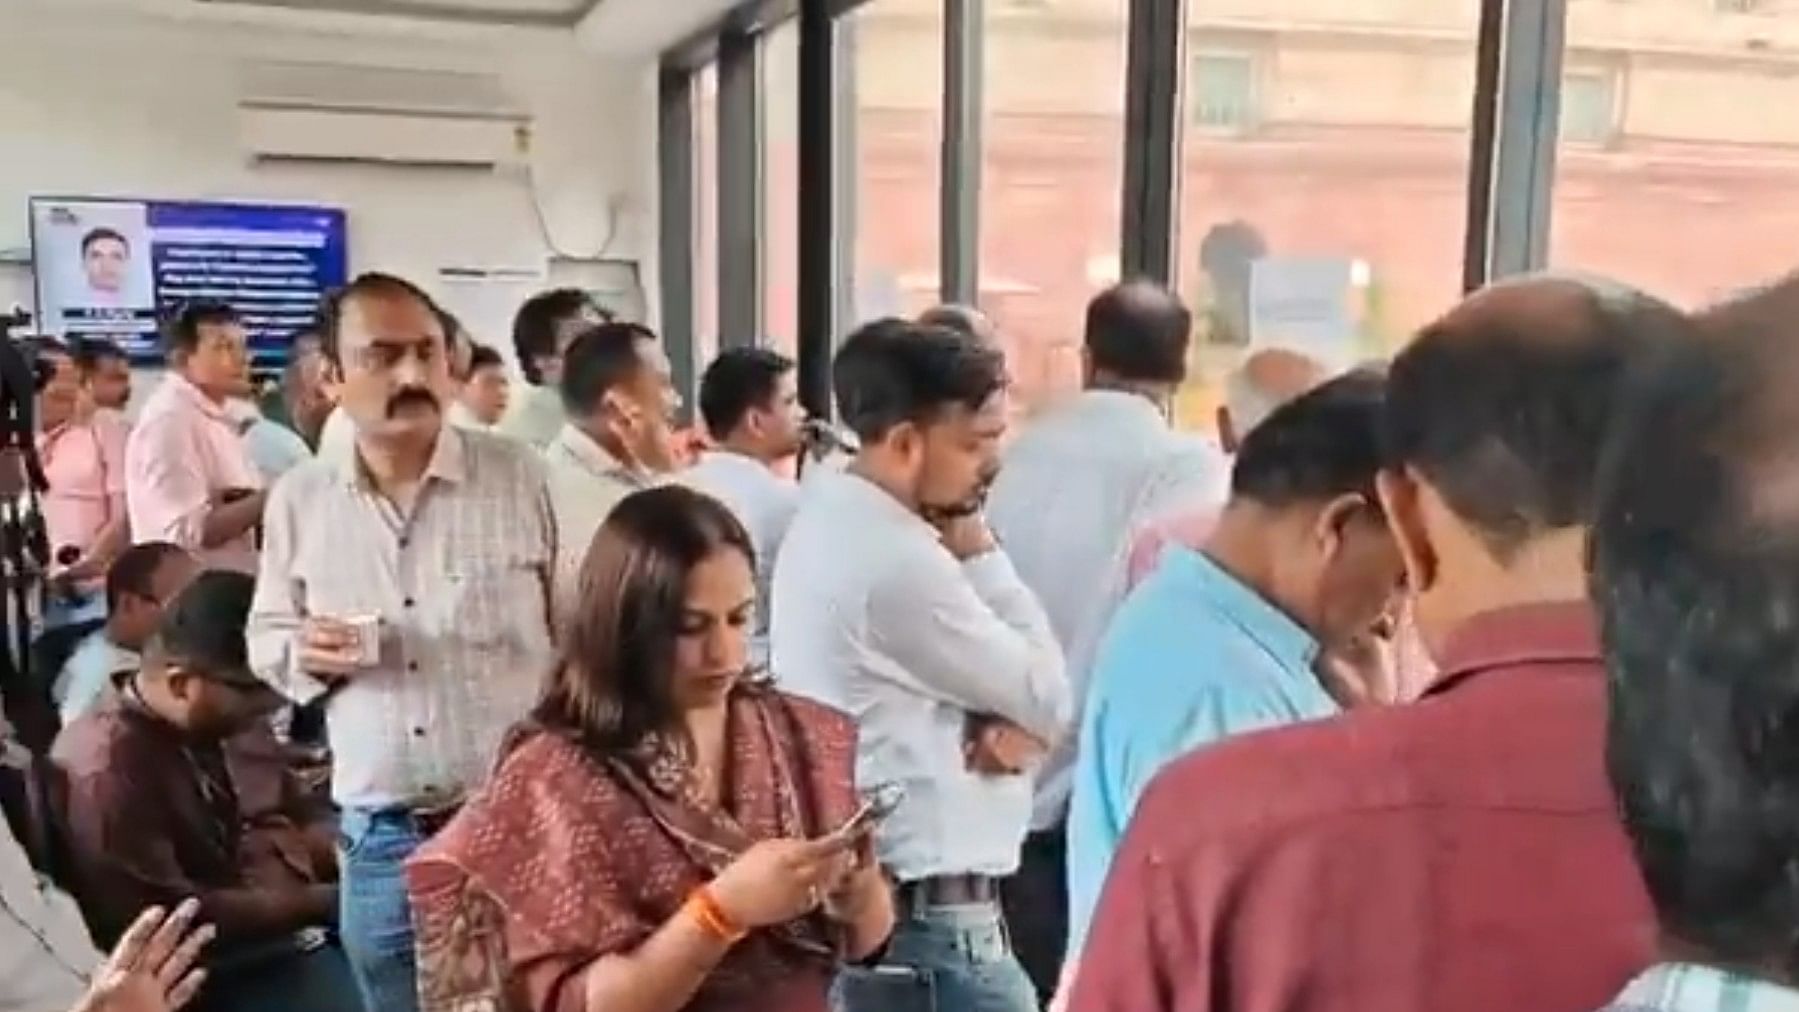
x: 121, y: 104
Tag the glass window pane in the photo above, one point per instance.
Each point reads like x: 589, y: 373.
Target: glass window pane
x: 1678, y: 169
x: 705, y: 217
x: 1051, y: 180
x: 896, y: 49
x: 1324, y: 186
x: 781, y: 172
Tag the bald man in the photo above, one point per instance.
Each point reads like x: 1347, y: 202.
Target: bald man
x: 1465, y: 852
x: 962, y: 319
x: 1261, y: 383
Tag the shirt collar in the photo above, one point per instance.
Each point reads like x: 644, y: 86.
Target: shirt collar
x: 1564, y: 632
x: 861, y: 494
x: 448, y: 460
x: 1688, y: 987
x: 1272, y: 629
x: 1122, y: 404
x: 587, y: 452
x: 182, y: 389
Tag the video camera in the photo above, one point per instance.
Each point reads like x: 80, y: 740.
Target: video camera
x: 24, y: 544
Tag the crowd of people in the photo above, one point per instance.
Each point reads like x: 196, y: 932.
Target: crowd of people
x: 1468, y: 680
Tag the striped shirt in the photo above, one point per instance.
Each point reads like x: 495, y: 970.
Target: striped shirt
x: 1686, y: 987
x: 461, y: 586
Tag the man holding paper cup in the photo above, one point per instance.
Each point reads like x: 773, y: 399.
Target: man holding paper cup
x: 406, y: 580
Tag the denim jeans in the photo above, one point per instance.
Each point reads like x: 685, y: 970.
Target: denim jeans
x: 376, y: 916
x: 941, y: 959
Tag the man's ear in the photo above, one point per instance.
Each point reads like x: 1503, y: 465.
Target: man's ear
x: 1400, y: 493
x: 181, y: 681
x: 1335, y: 517
x: 1227, y: 430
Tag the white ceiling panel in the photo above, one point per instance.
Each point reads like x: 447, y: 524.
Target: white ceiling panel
x: 523, y: 13
x: 646, y: 27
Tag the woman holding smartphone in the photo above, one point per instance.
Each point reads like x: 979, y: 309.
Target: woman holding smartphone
x: 659, y: 836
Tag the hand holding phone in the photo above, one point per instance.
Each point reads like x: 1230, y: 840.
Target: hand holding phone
x: 878, y: 804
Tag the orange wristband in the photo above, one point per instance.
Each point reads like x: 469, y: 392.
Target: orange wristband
x: 703, y: 907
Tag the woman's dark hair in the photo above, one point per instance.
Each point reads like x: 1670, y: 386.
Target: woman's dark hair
x: 613, y: 684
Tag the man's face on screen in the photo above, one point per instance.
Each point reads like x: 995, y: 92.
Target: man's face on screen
x: 104, y: 261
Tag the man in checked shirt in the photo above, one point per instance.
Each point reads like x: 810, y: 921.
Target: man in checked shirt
x: 407, y: 580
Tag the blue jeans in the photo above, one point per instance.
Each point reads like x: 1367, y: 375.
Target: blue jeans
x: 941, y: 959
x: 376, y: 916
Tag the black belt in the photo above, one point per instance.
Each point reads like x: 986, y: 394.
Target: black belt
x: 949, y: 891
x: 429, y: 821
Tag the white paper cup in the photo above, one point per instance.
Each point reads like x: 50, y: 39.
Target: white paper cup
x: 368, y: 638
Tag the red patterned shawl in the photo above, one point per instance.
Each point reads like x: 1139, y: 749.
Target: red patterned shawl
x: 567, y: 856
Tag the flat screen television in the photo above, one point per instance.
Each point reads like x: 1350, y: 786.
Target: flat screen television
x: 115, y: 268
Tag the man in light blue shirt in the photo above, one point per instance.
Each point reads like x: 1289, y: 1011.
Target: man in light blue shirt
x: 1226, y: 640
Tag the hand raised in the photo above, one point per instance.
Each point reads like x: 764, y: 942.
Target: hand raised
x: 151, y: 969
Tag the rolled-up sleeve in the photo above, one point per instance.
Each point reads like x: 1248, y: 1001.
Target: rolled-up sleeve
x: 278, y: 608
x: 973, y: 635
x: 166, y: 496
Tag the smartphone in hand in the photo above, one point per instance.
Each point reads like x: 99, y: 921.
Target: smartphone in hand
x: 877, y: 805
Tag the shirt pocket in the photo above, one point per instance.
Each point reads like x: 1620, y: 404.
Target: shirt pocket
x: 494, y: 600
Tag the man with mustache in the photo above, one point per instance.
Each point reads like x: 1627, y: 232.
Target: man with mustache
x: 406, y: 582
x: 893, y: 602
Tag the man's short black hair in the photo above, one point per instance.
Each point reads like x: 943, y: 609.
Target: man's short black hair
x: 1138, y: 331
x: 738, y: 380
x: 134, y: 571
x: 1316, y: 447
x: 535, y: 326
x: 203, y: 627
x: 1695, y: 570
x: 370, y: 285
x: 601, y: 358
x: 1505, y: 417
x: 893, y: 371
x: 481, y: 356
x: 102, y: 234
x: 181, y: 334
x: 90, y: 352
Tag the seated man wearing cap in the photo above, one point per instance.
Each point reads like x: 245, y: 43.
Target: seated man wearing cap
x: 168, y: 798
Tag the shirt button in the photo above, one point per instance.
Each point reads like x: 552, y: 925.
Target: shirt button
x: 408, y: 602
x: 418, y: 732
x: 412, y: 665
x: 404, y: 541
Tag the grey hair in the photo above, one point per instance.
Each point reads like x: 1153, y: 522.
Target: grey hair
x: 1248, y: 403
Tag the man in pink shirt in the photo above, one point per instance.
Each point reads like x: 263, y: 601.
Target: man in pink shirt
x: 188, y: 477
x: 83, y: 453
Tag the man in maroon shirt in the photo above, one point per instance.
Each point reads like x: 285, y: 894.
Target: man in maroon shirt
x: 1461, y: 854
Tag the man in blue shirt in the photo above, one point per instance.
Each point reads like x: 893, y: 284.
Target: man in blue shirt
x: 1223, y: 641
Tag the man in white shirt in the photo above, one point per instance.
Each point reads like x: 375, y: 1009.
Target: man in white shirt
x: 486, y: 388
x: 541, y: 333
x: 620, y: 397
x: 1073, y: 488
x: 893, y: 601
x: 751, y: 406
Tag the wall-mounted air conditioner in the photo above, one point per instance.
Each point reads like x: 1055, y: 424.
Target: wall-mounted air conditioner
x: 351, y: 113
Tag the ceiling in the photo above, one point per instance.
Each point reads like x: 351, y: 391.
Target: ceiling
x: 512, y: 13
x: 618, y: 27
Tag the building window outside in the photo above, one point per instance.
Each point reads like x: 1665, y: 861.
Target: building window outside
x: 1324, y: 181
x: 1223, y: 91
x: 1589, y: 107
x: 1701, y: 146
